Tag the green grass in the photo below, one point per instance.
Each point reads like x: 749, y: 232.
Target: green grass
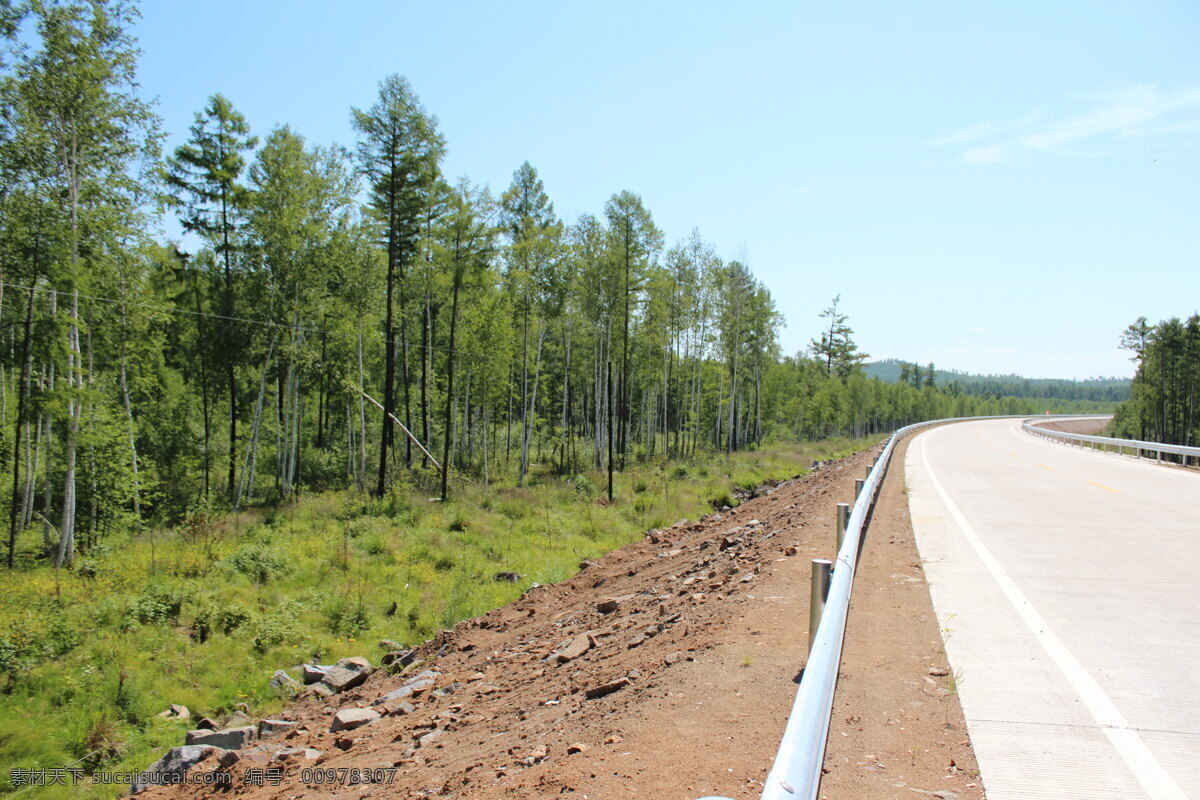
x: 202, y: 615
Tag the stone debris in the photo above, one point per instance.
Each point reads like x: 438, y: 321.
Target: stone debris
x: 270, y: 727
x: 311, y: 673
x: 346, y: 674
x: 238, y: 719
x: 536, y: 756
x: 576, y: 648
x: 413, y: 687
x: 306, y: 753
x: 398, y: 657
x: 170, y: 769
x: 605, y: 689
x: 396, y: 708
x: 350, y: 718
x: 227, y: 739
x: 320, y: 689
x: 608, y: 606
x: 284, y: 683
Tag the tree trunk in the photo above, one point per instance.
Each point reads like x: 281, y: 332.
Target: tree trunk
x: 530, y: 411
x: 15, y: 518
x: 66, y: 539
x: 450, y: 365
x: 246, y: 486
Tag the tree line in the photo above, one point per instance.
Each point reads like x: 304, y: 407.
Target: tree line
x: 347, y: 316
x: 1098, y: 390
x: 1162, y: 407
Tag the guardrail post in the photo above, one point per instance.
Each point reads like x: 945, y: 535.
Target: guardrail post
x: 822, y: 568
x: 858, y: 487
x: 843, y: 519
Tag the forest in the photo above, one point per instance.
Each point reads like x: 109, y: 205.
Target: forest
x: 1162, y: 407
x: 1097, y: 390
x: 347, y: 316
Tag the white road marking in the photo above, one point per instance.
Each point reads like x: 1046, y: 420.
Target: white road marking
x: 1157, y: 783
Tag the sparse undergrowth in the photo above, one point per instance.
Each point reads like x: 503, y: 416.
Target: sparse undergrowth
x: 203, y: 614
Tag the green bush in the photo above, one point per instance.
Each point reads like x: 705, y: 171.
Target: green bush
x: 211, y: 618
x: 157, y: 606
x: 256, y: 562
x: 346, y: 618
x: 232, y: 617
x: 279, y: 627
x: 375, y: 544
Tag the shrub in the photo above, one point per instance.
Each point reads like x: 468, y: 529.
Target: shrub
x: 279, y: 627
x: 375, y: 544
x: 155, y: 607
x: 211, y: 618
x: 584, y: 485
x: 346, y: 618
x: 258, y: 563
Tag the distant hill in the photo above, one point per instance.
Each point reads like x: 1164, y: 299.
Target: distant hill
x: 1103, y: 390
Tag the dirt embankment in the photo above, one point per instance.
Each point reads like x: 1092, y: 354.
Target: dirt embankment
x: 663, y: 670
x: 1087, y: 427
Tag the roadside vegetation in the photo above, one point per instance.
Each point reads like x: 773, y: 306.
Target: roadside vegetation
x: 1163, y: 407
x: 203, y: 613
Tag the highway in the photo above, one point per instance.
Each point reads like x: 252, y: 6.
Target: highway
x: 1067, y: 587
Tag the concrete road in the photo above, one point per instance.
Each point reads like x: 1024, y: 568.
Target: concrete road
x: 1067, y: 586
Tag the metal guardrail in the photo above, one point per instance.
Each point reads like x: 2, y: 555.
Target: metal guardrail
x: 1120, y: 445
x: 796, y: 773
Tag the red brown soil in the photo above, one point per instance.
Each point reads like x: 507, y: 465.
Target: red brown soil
x: 711, y: 641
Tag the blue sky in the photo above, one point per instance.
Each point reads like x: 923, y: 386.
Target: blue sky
x: 994, y: 187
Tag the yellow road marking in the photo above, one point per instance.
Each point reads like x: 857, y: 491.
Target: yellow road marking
x: 1105, y: 488
x: 1043, y: 466
x: 1014, y: 455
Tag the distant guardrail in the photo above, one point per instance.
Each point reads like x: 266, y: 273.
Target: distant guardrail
x: 796, y: 773
x: 1108, y: 444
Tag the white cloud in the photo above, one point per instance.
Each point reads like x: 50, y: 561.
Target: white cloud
x: 1140, y: 111
x: 990, y: 154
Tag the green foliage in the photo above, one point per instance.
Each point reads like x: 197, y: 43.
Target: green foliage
x: 257, y: 562
x: 1162, y: 404
x: 156, y: 606
x: 1103, y: 392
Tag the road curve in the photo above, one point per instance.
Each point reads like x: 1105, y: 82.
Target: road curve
x: 1065, y: 584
